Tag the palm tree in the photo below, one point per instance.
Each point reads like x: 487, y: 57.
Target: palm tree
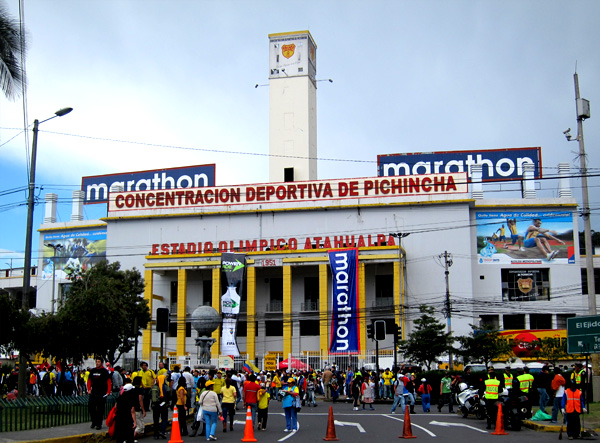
x: 12, y: 46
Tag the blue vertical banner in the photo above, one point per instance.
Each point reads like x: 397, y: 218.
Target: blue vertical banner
x: 345, y: 337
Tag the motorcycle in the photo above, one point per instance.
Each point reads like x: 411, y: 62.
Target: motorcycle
x: 467, y: 398
x: 514, y: 409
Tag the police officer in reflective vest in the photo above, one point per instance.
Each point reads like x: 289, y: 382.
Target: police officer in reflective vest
x: 508, y: 378
x: 579, y: 376
x: 525, y: 384
x: 572, y: 405
x: 492, y: 390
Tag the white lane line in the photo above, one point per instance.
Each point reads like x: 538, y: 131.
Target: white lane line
x: 412, y: 424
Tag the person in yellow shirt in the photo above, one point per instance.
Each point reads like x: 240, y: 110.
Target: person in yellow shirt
x: 161, y: 369
x: 387, y: 383
x: 277, y: 383
x: 219, y: 383
x: 263, y: 407
x: 148, y: 377
x: 229, y: 395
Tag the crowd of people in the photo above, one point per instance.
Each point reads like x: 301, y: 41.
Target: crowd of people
x: 219, y: 394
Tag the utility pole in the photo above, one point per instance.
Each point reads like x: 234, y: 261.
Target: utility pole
x: 582, y: 107
x: 447, y: 304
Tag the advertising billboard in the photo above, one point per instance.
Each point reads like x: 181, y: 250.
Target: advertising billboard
x: 97, y: 187
x: 525, y: 237
x: 498, y: 164
x: 75, y: 251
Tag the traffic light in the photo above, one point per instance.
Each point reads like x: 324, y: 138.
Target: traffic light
x: 370, y: 331
x: 396, y: 331
x: 162, y: 320
x: 379, y: 330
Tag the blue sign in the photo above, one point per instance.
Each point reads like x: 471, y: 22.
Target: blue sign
x: 497, y: 164
x: 96, y: 188
x: 344, y: 317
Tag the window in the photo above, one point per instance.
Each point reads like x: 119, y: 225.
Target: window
x: 515, y: 321
x: 309, y: 327
x: 173, y: 295
x: 540, y: 321
x: 561, y: 320
x: 207, y: 293
x: 311, y: 294
x: 274, y: 328
x: 275, y: 294
x: 173, y: 329
x: 490, y: 321
x: 384, y: 291
x: 288, y: 174
x: 242, y: 329
x: 584, y: 288
x: 525, y: 284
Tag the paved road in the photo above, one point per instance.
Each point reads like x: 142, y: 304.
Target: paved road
x: 352, y: 426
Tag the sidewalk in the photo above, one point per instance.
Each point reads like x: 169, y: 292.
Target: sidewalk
x: 77, y: 433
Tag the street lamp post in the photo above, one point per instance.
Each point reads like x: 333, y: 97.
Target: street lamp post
x: 28, y: 240
x: 56, y: 247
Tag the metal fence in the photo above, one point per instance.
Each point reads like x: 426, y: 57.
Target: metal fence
x: 46, y: 412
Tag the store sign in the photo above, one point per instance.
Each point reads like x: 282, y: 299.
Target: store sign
x: 498, y: 164
x: 293, y: 192
x: 272, y: 244
x: 344, y: 317
x: 97, y: 187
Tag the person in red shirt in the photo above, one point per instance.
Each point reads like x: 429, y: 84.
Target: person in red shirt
x: 250, y: 395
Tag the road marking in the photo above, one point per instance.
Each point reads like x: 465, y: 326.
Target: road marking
x: 444, y: 423
x: 412, y: 424
x: 347, y: 423
x: 291, y: 433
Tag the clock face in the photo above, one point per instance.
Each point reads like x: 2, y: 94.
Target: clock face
x: 292, y: 56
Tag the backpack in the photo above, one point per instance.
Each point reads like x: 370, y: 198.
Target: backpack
x: 46, y: 379
x: 154, y: 394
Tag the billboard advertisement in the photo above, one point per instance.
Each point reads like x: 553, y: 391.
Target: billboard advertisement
x: 498, y: 164
x: 75, y: 251
x: 345, y: 328
x: 233, y: 270
x: 97, y: 187
x: 523, y: 341
x: 525, y: 237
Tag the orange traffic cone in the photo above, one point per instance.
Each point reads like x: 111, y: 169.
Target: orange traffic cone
x: 175, y: 432
x: 249, y: 429
x: 499, y: 422
x: 407, y: 430
x: 330, y: 427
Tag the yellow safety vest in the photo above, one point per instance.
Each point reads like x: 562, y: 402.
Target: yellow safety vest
x: 577, y: 377
x: 523, y: 382
x: 491, y: 388
x: 508, y: 379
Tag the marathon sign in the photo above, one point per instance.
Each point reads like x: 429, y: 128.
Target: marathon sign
x: 497, y: 164
x: 419, y: 185
x: 97, y: 187
x: 344, y: 316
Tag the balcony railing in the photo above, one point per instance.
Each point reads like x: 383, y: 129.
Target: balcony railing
x: 311, y: 306
x: 274, y: 306
x: 383, y: 303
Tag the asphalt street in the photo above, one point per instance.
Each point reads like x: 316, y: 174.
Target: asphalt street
x: 350, y: 425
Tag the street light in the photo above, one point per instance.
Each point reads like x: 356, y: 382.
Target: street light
x: 56, y: 247
x: 28, y: 238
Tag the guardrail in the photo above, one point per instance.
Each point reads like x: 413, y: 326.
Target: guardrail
x: 46, y: 412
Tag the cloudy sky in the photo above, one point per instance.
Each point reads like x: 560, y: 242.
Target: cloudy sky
x: 157, y: 83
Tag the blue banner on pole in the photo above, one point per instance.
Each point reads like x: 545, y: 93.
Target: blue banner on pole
x: 345, y: 338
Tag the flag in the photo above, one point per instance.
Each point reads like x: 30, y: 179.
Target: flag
x: 249, y: 367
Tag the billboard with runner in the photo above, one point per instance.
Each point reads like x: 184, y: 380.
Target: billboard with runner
x: 525, y: 237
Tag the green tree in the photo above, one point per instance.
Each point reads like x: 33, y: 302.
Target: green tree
x: 102, y: 315
x: 428, y: 340
x: 12, y: 46
x: 551, y: 349
x: 483, y: 345
x: 13, y: 325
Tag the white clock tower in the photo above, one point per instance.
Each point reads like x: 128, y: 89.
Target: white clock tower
x: 292, y: 107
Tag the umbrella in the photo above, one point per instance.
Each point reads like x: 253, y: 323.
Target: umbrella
x: 295, y: 364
